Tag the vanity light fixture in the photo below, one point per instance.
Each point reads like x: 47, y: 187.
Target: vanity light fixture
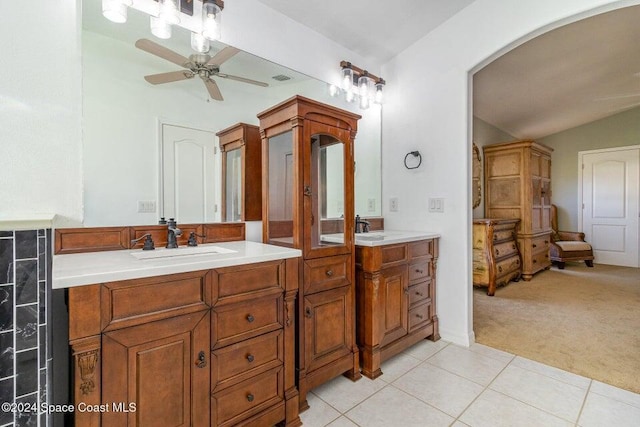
x: 357, y: 83
x: 116, y: 10
x: 204, y: 25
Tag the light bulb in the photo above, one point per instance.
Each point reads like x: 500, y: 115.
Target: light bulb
x: 115, y: 10
x: 211, y: 20
x: 168, y: 11
x: 364, y: 85
x: 160, y: 28
x: 378, y: 99
x: 199, y: 43
x: 347, y: 78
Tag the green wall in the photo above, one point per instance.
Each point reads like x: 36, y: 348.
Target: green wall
x: 619, y: 130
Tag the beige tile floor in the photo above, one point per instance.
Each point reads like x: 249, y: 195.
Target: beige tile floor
x: 442, y: 384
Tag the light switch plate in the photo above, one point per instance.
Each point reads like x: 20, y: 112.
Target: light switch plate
x: 146, y: 206
x: 371, y: 205
x: 393, y: 204
x: 436, y: 205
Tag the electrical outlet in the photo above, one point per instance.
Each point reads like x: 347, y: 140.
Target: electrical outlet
x: 436, y: 205
x: 146, y: 206
x: 393, y: 204
x: 371, y: 205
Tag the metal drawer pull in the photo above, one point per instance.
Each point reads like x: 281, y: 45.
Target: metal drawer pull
x: 307, y: 312
x: 546, y: 242
x: 419, y: 316
x: 250, y: 397
x: 419, y: 271
x: 420, y: 294
x: 329, y: 273
x: 497, y: 252
x: 250, y: 318
x: 513, y: 246
x: 250, y: 357
x: 517, y: 262
x: 201, y: 362
x: 500, y: 268
x: 534, y: 245
x: 535, y: 261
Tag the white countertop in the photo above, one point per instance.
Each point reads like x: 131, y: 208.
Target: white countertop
x: 383, y: 237
x: 98, y: 267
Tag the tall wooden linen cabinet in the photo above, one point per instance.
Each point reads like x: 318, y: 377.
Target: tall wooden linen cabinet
x: 517, y: 182
x: 308, y: 188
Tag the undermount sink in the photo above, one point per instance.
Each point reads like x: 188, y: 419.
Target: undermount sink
x: 181, y: 251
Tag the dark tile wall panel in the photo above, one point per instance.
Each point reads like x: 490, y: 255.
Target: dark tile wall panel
x: 25, y: 354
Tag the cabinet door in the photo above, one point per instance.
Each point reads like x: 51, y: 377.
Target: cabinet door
x: 163, y: 368
x: 328, y: 326
x: 393, y: 300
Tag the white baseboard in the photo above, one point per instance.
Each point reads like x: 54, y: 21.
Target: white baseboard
x: 464, y: 340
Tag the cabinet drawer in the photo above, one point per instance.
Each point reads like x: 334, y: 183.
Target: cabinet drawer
x: 508, y: 265
x: 418, y: 270
x: 540, y: 244
x: 540, y: 260
x: 234, y: 281
x: 326, y: 273
x: 419, y: 316
x: 420, y: 249
x: 233, y: 323
x: 500, y: 235
x: 502, y: 250
x: 246, y: 358
x: 232, y: 405
x: 419, y: 292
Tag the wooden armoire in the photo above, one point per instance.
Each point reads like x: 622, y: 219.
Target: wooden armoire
x: 308, y: 204
x: 517, y: 182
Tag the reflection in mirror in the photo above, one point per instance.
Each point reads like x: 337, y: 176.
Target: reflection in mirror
x: 128, y: 124
x: 327, y: 176
x: 281, y: 178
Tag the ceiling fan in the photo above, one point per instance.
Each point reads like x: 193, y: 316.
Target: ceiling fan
x: 202, y: 65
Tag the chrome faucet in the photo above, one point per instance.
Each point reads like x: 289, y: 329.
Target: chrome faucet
x: 172, y: 232
x: 362, y: 226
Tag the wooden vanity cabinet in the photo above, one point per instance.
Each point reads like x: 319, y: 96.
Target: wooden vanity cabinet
x: 205, y: 348
x: 396, y: 302
x: 241, y: 150
x: 308, y: 169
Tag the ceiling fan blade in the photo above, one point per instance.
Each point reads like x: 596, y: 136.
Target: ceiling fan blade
x: 242, y: 79
x: 161, y: 51
x: 172, y: 76
x: 222, y: 56
x: 212, y: 87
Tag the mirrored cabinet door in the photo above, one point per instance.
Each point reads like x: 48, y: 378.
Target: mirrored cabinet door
x: 241, y: 173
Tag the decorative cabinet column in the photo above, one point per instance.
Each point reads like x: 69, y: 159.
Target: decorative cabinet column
x: 240, y: 146
x: 307, y: 155
x: 517, y: 182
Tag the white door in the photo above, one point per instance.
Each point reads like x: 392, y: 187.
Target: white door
x: 610, y: 197
x: 189, y: 175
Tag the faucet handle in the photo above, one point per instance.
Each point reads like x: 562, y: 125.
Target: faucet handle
x: 192, y: 239
x: 148, y: 242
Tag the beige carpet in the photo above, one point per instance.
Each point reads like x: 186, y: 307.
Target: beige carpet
x: 583, y: 320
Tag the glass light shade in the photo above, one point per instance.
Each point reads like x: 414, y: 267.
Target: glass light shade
x: 378, y: 97
x: 365, y: 84
x: 211, y: 20
x: 160, y: 28
x: 350, y: 96
x: 115, y: 10
x: 347, y: 79
x: 168, y: 11
x: 199, y: 43
x: 333, y: 90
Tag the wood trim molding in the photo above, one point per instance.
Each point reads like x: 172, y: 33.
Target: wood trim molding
x: 96, y: 239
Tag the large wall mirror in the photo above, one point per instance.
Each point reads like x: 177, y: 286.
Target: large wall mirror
x: 151, y: 150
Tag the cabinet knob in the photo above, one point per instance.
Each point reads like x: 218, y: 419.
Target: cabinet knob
x: 250, y: 357
x: 513, y: 246
x: 420, y: 294
x: 534, y: 245
x: 517, y: 262
x: 250, y: 397
x: 546, y: 242
x: 500, y: 268
x: 419, y: 271
x: 329, y: 273
x: 535, y: 261
x: 201, y: 362
x: 307, y: 312
x: 419, y: 316
x: 307, y: 190
x: 497, y: 252
x: 250, y: 318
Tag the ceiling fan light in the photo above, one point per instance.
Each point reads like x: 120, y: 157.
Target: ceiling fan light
x: 199, y: 43
x: 211, y: 20
x: 160, y: 28
x: 168, y: 11
x: 115, y: 10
